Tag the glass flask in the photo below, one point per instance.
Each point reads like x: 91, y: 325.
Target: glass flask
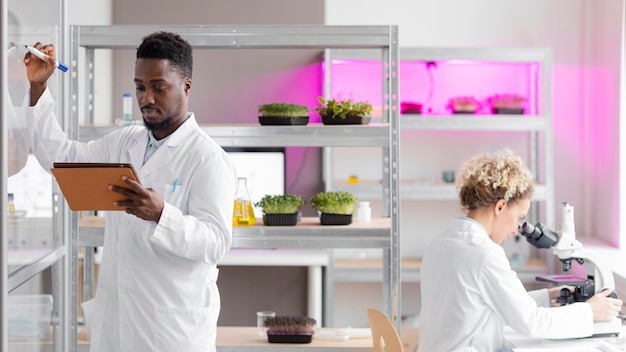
x: 243, y: 214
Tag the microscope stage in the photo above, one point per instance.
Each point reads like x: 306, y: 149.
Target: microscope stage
x: 561, y: 279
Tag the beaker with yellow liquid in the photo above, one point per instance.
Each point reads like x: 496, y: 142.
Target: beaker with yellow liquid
x: 243, y: 213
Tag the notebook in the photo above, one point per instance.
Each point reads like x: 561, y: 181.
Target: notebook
x: 85, y: 185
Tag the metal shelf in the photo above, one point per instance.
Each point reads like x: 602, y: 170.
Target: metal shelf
x: 382, y: 234
x: 537, y: 124
x: 417, y: 191
x: 518, y: 123
x: 425, y: 54
x: 308, y: 233
x: 368, y: 270
x: 243, y: 37
x: 311, y: 135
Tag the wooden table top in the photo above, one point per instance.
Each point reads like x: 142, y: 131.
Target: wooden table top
x: 238, y: 339
x: 247, y: 339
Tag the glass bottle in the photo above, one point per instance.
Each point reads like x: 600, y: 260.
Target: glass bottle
x: 11, y: 204
x: 243, y: 214
x: 127, y: 107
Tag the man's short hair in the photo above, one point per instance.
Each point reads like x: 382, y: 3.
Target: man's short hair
x: 169, y: 46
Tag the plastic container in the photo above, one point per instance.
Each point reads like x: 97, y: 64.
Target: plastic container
x: 335, y: 219
x: 281, y: 219
x: 271, y: 338
x: 364, y: 212
x: 29, y: 317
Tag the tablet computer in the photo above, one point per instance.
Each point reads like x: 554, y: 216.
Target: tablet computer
x: 85, y: 185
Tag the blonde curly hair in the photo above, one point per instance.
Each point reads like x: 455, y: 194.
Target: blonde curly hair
x: 485, y: 179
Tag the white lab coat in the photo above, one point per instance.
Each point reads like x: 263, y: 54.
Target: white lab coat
x: 469, y: 293
x: 157, y: 287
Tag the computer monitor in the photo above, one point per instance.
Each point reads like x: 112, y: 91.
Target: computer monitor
x: 264, y: 169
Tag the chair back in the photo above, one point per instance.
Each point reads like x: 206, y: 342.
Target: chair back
x: 384, y: 335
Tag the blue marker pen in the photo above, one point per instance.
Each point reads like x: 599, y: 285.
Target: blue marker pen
x: 58, y: 64
x: 174, y: 185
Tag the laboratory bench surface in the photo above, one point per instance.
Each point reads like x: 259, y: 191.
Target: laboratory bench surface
x: 521, y: 343
x: 247, y: 339
x: 244, y: 339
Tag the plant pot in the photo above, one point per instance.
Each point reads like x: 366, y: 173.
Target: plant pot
x: 335, y: 219
x: 508, y: 111
x: 408, y: 108
x: 282, y: 120
x: 280, y: 219
x: 464, y: 112
x: 349, y: 120
x: 289, y: 338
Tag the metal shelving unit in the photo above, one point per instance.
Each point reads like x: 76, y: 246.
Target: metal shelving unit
x: 537, y: 123
x: 382, y: 233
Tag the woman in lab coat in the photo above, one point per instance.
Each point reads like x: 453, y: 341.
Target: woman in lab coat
x: 469, y: 291
x: 157, y: 286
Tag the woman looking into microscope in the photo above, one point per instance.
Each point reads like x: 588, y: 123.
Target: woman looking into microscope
x: 469, y: 291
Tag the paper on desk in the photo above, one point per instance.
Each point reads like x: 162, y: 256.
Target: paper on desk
x: 344, y: 334
x: 332, y: 335
x: 355, y: 333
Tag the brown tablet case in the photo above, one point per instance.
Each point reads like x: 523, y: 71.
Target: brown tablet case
x: 85, y: 185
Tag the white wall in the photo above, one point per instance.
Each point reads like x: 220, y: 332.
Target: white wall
x: 96, y: 12
x: 601, y: 119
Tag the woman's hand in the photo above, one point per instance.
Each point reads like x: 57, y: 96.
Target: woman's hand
x: 605, y: 308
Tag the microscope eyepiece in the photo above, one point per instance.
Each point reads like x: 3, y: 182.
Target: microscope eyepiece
x: 538, y: 235
x: 527, y: 229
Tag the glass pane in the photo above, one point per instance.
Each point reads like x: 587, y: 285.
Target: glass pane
x: 30, y: 232
x: 29, y: 312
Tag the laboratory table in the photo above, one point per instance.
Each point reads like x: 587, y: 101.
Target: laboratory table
x: 247, y: 339
x: 522, y: 343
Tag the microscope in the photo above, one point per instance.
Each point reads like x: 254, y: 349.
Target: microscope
x: 564, y: 245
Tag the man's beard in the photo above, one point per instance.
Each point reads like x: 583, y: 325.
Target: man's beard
x: 156, y: 127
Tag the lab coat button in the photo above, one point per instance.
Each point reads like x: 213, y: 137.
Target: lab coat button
x: 126, y: 223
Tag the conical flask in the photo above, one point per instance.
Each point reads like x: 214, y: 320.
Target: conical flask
x: 243, y: 214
